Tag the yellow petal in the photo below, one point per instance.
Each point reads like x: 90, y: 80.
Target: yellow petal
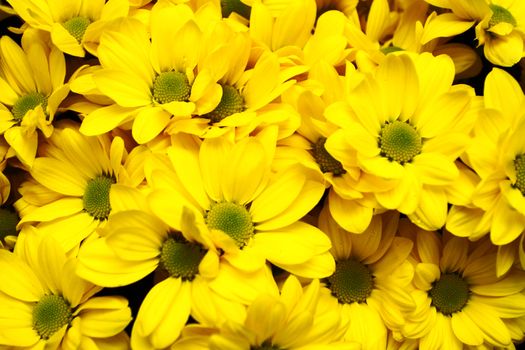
x: 103, y: 322
x: 444, y: 26
x: 65, y: 41
x: 126, y: 89
x: 507, y: 224
x: 19, y: 73
x: 149, y: 123
x: 20, y: 281
x: 504, y: 50
x: 105, y: 119
x: 24, y: 142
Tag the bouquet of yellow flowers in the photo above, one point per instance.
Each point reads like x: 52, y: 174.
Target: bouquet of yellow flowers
x: 262, y: 174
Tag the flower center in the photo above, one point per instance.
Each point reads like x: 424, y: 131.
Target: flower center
x: 96, y: 197
x: 233, y: 219
x: 8, y: 221
x: 181, y: 258
x: 519, y: 165
x: 449, y: 294
x: 501, y: 14
x: 26, y: 103
x: 77, y: 26
x: 267, y: 345
x: 388, y: 49
x: 327, y: 163
x: 231, y: 102
x: 229, y: 6
x: 352, y: 282
x: 399, y: 142
x: 50, y: 314
x: 171, y: 86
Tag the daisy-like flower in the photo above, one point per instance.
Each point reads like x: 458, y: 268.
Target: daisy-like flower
x: 460, y: 300
x: 150, y: 80
x: 74, y: 28
x: 251, y: 214
x: 73, y: 182
x: 389, y: 129
x: 370, y: 279
x: 135, y: 243
x: 499, y: 26
x: 297, y: 319
x: 32, y: 88
x: 44, y: 304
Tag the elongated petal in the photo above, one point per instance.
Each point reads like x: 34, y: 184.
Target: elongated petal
x: 20, y: 281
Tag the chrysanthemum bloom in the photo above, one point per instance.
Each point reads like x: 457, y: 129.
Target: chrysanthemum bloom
x: 32, y: 88
x: 496, y: 199
x: 297, y: 319
x: 499, y: 26
x: 73, y: 182
x: 350, y: 205
x: 460, y: 300
x: 249, y: 92
x: 389, y: 129
x: 135, y: 243
x: 252, y: 213
x: 44, y: 304
x: 73, y: 28
x: 370, y: 279
x: 150, y: 81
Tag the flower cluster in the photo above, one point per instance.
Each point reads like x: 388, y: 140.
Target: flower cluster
x: 262, y: 174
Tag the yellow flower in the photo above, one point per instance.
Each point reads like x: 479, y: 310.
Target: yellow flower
x: 78, y: 182
x: 252, y: 214
x: 135, y: 243
x: 298, y: 318
x: 460, y: 300
x: 43, y: 302
x: 73, y: 28
x: 370, y: 279
x: 404, y: 126
x: 32, y: 88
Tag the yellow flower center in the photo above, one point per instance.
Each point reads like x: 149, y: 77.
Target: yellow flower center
x: 181, y: 258
x: 352, y: 282
x: 50, y: 314
x: 501, y: 14
x: 233, y: 219
x: 327, y: 163
x: 399, y: 142
x: 450, y: 293
x: 171, y: 86
x: 26, y: 103
x: 237, y: 6
x: 267, y: 345
x: 231, y: 102
x: 77, y: 26
x: 519, y: 166
x: 96, y: 197
x: 8, y: 221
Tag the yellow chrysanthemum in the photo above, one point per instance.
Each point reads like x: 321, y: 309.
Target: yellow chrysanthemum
x: 73, y: 28
x: 44, y: 304
x: 297, y: 319
x: 252, y: 214
x: 78, y: 182
x: 32, y: 88
x: 134, y: 244
x: 404, y: 126
x: 460, y: 300
x: 370, y: 279
x: 494, y: 194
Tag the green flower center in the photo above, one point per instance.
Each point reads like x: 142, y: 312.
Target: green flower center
x: 449, y: 294
x: 171, y: 86
x: 231, y: 102
x: 389, y: 49
x: 352, y: 282
x: 267, y: 345
x: 8, y: 221
x: 327, y: 163
x: 233, y: 219
x: 501, y: 14
x: 77, y: 26
x: 519, y: 165
x: 26, y: 103
x: 50, y: 314
x: 96, y: 197
x: 399, y: 142
x: 181, y: 258
x: 229, y: 6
